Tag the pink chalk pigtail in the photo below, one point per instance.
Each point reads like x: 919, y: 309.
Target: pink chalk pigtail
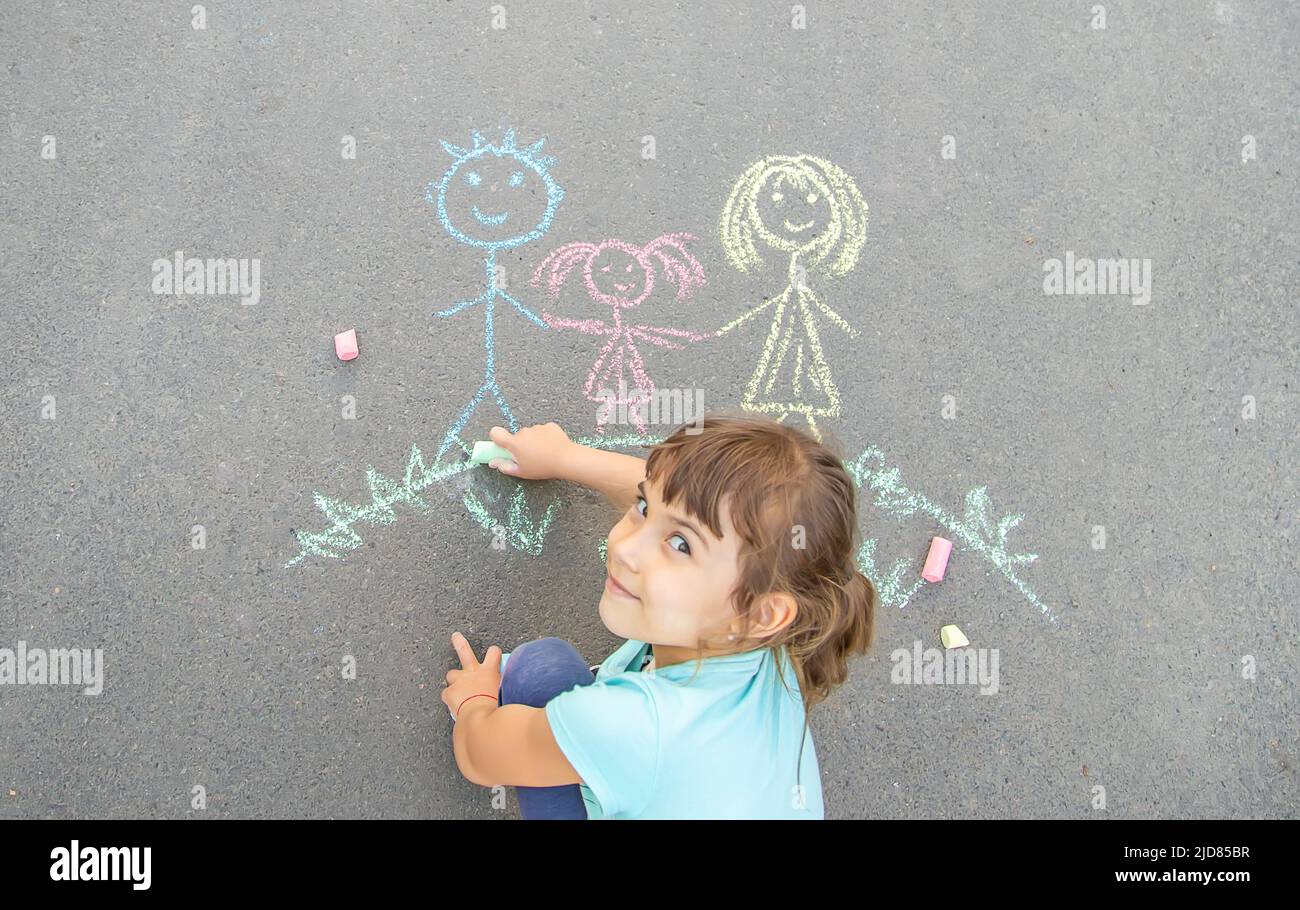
x: 682, y: 268
x: 560, y: 262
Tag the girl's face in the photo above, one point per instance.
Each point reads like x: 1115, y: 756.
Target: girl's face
x: 678, y: 577
x: 618, y: 275
x: 794, y: 211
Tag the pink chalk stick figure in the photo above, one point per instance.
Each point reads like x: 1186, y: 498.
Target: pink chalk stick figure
x: 620, y: 276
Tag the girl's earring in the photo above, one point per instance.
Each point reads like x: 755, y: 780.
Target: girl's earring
x: 732, y: 637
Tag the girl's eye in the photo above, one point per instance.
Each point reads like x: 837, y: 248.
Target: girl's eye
x: 473, y: 179
x: 516, y: 178
x: 812, y: 198
x: 777, y: 197
x: 685, y: 547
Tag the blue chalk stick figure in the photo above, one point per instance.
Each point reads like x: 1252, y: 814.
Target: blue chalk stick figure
x: 488, y: 198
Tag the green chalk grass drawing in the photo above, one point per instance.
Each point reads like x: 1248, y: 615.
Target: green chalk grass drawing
x: 975, y: 532
x: 521, y: 531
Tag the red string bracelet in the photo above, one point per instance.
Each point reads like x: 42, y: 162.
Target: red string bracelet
x: 483, y: 695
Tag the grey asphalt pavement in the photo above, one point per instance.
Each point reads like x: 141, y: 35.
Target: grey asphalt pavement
x: 1147, y: 658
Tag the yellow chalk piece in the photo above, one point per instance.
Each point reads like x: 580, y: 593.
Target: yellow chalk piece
x: 952, y: 637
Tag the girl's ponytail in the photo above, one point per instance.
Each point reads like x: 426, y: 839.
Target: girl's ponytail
x: 859, y: 602
x: 844, y: 627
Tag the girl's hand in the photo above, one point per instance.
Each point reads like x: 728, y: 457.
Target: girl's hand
x: 473, y: 678
x: 538, y: 451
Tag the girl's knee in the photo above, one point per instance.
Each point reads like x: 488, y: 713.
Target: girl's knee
x: 541, y: 669
x: 550, y: 647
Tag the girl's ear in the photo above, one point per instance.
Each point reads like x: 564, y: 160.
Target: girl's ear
x: 773, y: 612
x: 560, y: 262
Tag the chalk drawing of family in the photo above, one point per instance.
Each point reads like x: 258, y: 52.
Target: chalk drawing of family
x: 796, y: 206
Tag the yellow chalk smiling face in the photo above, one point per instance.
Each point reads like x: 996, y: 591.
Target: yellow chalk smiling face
x: 803, y: 206
x: 793, y: 210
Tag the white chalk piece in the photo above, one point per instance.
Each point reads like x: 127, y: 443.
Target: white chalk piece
x: 952, y: 637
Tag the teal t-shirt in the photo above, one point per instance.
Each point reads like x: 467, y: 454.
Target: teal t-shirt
x: 724, y: 745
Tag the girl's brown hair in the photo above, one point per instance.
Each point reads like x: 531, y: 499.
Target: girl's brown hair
x: 793, y: 505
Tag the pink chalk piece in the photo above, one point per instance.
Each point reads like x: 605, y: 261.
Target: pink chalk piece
x: 345, y: 344
x: 936, y: 563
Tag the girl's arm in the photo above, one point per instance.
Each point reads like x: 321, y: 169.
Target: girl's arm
x: 656, y: 335
x: 612, y: 473
x: 510, y: 745
x: 545, y: 452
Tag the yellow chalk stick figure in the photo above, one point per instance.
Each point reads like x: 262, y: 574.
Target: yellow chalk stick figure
x: 812, y: 210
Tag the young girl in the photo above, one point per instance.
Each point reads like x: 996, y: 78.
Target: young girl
x: 731, y: 576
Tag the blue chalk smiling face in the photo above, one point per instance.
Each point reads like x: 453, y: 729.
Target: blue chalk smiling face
x: 474, y: 178
x: 497, y: 196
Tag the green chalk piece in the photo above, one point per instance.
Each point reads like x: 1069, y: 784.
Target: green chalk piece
x: 486, y: 451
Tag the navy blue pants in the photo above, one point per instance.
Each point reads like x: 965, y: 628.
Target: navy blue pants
x: 536, y: 672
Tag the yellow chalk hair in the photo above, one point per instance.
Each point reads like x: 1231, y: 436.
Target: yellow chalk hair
x: 840, y: 242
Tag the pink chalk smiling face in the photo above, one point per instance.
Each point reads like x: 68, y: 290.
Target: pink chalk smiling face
x: 619, y: 274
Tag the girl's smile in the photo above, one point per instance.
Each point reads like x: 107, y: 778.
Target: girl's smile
x: 612, y: 585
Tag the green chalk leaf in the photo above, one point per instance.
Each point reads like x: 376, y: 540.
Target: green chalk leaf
x: 386, y: 491
x: 977, y: 512
x: 1006, y: 524
x: 418, y: 475
x: 342, y: 515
